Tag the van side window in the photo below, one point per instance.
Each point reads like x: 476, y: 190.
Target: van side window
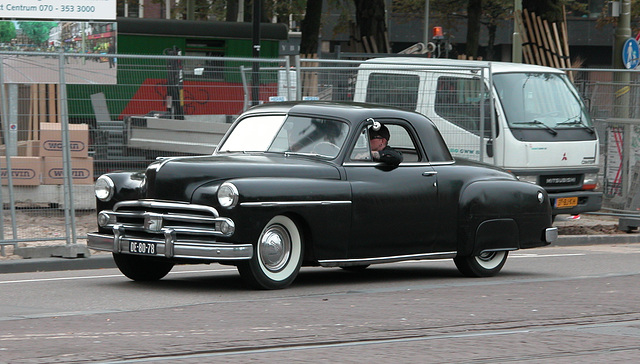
x: 393, y: 89
x: 458, y: 101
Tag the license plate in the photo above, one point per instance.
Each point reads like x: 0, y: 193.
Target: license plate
x: 566, y: 202
x: 142, y: 247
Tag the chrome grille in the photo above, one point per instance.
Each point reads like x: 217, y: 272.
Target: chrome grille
x: 157, y: 217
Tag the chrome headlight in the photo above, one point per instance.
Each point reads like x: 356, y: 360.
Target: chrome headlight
x: 228, y: 195
x: 104, y: 188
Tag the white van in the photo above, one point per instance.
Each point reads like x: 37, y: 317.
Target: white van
x: 541, y: 130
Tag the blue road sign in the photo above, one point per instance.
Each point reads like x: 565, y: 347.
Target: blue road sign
x: 631, y: 54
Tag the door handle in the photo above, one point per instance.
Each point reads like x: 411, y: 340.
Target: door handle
x: 429, y: 173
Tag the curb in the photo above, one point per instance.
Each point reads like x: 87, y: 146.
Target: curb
x: 56, y: 264
x: 106, y: 260
x: 574, y: 240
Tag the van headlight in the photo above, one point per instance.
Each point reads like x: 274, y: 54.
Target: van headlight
x: 104, y: 188
x: 590, y: 181
x: 228, y: 195
x: 531, y: 179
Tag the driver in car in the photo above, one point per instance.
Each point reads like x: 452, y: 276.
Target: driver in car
x: 380, y: 150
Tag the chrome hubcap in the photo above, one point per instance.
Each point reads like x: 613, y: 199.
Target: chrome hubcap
x: 275, y: 248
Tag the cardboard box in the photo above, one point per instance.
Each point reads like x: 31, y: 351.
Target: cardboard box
x: 51, y: 140
x: 81, y: 171
x: 25, y: 148
x: 25, y: 171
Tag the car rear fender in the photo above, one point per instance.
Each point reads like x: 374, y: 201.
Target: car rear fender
x: 489, y: 210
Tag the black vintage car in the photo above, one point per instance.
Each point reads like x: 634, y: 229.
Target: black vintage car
x: 295, y: 184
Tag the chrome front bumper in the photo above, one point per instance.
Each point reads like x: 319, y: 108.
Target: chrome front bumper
x: 169, y: 247
x: 551, y: 234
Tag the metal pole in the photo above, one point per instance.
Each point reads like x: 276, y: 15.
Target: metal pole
x: 7, y: 144
x: 516, y: 47
x: 481, y: 126
x: 245, y: 88
x: 622, y: 81
x: 69, y: 210
x: 298, y: 78
x: 255, y: 79
x: 287, y: 67
x: 426, y: 22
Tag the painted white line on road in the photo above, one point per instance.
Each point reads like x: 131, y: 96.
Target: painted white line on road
x: 107, y: 276
x: 531, y: 255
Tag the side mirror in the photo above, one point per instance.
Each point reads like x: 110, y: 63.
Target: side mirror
x: 490, y: 148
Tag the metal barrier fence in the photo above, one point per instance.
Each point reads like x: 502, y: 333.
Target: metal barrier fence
x: 71, y: 117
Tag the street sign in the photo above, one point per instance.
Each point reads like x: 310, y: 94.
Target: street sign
x: 59, y: 10
x: 631, y: 54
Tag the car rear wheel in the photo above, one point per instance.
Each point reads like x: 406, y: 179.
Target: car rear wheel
x: 277, y: 258
x: 141, y: 268
x: 486, y: 264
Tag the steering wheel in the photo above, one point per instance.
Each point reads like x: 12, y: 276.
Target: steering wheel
x: 326, y: 148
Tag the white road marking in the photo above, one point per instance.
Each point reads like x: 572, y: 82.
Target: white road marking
x: 107, y: 276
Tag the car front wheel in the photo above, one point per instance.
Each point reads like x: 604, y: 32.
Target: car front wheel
x: 141, y: 268
x: 486, y: 264
x: 277, y: 258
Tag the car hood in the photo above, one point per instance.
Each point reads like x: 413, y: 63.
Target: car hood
x: 177, y: 178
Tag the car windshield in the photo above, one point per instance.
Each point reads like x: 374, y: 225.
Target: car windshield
x: 291, y: 135
x: 540, y: 100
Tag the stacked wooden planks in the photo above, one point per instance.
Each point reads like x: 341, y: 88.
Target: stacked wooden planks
x: 543, y: 43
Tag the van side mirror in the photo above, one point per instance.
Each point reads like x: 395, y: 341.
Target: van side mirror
x: 490, y: 148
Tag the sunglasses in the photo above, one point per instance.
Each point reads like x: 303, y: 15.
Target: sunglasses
x: 377, y: 137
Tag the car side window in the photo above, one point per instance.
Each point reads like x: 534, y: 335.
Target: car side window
x: 362, y: 151
x: 400, y: 140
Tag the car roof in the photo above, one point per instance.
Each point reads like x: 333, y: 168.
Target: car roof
x: 496, y: 67
x: 352, y: 111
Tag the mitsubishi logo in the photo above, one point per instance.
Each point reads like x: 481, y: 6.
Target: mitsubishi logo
x: 153, y: 222
x: 564, y: 156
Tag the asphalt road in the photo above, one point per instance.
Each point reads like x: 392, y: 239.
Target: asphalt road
x: 550, y: 305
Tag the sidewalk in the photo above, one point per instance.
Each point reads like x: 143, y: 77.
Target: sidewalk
x: 585, y: 230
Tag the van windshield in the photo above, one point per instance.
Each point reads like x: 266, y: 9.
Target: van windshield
x: 540, y: 100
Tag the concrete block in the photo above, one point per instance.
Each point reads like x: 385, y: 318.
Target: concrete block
x: 60, y: 251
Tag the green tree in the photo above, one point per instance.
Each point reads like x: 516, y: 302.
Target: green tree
x: 7, y: 31
x: 37, y: 31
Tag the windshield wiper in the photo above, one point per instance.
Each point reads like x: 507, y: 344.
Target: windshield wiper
x: 286, y: 154
x: 577, y: 121
x: 538, y: 123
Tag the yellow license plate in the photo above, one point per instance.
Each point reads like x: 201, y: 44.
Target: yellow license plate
x: 566, y: 202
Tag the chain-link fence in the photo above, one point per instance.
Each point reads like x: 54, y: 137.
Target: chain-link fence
x: 71, y: 117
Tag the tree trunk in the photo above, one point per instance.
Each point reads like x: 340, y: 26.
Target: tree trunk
x: 310, y: 27
x: 370, y: 17
x: 492, y: 27
x: 474, y: 12
x: 232, y: 10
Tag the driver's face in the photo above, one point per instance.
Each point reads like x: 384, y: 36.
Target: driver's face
x: 377, y: 143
